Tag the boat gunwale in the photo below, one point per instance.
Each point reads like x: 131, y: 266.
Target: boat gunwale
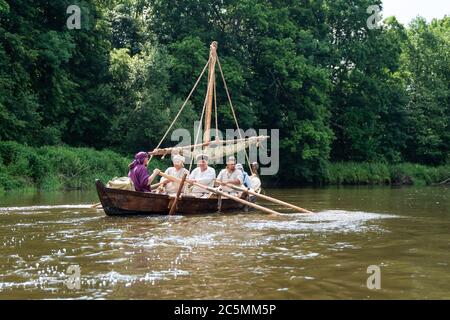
x: 136, y: 193
x: 183, y: 197
x: 141, y: 194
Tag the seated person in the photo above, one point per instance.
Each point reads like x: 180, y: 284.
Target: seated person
x: 230, y: 175
x: 246, y: 177
x: 256, y: 181
x: 176, y: 171
x: 203, y: 174
x: 138, y: 173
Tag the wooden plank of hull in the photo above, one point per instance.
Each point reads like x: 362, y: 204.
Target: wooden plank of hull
x: 118, y: 202
x: 191, y: 205
x: 124, y: 202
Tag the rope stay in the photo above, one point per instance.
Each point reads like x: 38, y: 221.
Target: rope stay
x: 215, y: 110
x: 211, y: 94
x: 233, y: 112
x: 182, y: 107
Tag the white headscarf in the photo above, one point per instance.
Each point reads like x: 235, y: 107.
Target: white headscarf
x: 202, y: 157
x: 231, y: 159
x: 177, y: 159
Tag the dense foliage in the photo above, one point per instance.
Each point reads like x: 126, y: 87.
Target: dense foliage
x: 65, y: 168
x: 55, y: 167
x: 336, y: 89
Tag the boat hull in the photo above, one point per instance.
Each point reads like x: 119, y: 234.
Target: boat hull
x: 116, y: 202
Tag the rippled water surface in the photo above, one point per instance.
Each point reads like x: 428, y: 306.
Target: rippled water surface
x: 404, y: 231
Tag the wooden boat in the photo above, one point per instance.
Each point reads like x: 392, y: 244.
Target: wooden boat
x: 118, y: 202
x: 124, y: 202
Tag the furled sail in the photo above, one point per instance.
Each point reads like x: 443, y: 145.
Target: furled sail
x: 214, y: 149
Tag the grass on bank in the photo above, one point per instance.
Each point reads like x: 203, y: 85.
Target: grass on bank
x: 54, y: 168
x: 352, y: 173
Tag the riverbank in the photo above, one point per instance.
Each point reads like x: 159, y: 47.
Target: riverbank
x: 352, y: 173
x: 54, y: 168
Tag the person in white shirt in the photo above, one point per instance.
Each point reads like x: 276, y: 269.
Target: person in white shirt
x: 254, y: 178
x: 230, y: 175
x: 176, y: 171
x: 203, y: 174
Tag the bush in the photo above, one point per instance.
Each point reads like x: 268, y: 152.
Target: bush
x: 57, y: 167
x: 352, y: 173
x: 63, y: 168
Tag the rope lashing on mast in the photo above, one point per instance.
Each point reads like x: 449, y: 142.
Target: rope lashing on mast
x: 215, y: 110
x: 210, y: 89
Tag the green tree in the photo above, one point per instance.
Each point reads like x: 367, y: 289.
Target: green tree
x: 426, y: 72
x: 368, y: 101
x: 125, y: 31
x: 273, y: 58
x: 145, y: 106
x: 53, y: 79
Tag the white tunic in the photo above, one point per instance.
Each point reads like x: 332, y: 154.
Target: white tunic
x: 256, y: 183
x: 172, y: 187
x: 203, y: 177
x: 226, y: 176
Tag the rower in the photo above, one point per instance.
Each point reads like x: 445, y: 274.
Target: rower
x: 203, y: 174
x: 230, y: 175
x: 138, y: 173
x: 256, y: 181
x: 246, y: 177
x: 254, y: 166
x: 176, y: 171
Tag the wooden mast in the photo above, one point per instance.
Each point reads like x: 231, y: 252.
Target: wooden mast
x: 210, y: 90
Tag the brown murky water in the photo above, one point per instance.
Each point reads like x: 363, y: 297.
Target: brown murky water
x: 404, y: 231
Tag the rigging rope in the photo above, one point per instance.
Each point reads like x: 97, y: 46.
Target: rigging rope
x: 181, y: 109
x: 232, y: 110
x: 215, y: 109
x: 213, y: 82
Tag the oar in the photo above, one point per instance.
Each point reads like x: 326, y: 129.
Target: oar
x: 262, y: 196
x: 173, y: 208
x: 155, y: 186
x: 223, y: 194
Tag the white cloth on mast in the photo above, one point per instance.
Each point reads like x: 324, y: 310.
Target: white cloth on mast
x: 230, y: 147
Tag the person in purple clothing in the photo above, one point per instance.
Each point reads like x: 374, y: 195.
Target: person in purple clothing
x: 139, y: 174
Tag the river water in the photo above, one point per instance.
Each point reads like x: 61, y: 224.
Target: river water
x: 405, y: 232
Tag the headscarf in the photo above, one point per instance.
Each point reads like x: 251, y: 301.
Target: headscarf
x: 138, y: 159
x: 202, y: 157
x: 231, y: 160
x: 240, y: 167
x: 177, y: 158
